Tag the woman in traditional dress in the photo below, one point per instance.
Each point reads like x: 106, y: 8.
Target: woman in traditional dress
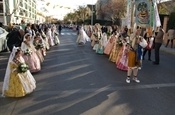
x: 55, y: 35
x: 102, y: 44
x: 96, y: 35
x: 89, y: 33
x: 18, y: 80
x: 110, y: 44
x: 122, y: 59
x: 45, y: 39
x: 94, y: 38
x: 49, y: 36
x: 82, y: 37
x: 42, y: 41
x: 39, y: 47
x: 98, y: 42
x: 116, y: 48
x: 30, y: 55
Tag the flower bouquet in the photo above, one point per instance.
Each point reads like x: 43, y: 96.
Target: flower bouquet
x: 96, y: 36
x: 43, y: 35
x: 120, y: 43
x: 22, y: 68
x: 39, y: 46
x: 108, y: 34
x: 28, y: 52
x: 56, y: 33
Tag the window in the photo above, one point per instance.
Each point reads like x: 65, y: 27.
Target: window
x: 1, y: 8
x: 25, y: 6
x: 21, y: 4
x: 29, y: 8
x: 26, y: 13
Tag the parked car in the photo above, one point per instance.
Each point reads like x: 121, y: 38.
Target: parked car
x: 3, y: 40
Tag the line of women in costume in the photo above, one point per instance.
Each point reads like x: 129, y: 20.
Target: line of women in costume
x: 27, y: 59
x: 125, y: 51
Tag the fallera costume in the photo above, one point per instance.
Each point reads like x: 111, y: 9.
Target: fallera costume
x: 16, y: 83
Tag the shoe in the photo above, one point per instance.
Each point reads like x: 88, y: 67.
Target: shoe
x: 136, y: 80
x: 155, y: 63
x: 128, y: 80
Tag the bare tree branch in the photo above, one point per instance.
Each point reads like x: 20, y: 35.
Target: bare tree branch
x: 15, y: 7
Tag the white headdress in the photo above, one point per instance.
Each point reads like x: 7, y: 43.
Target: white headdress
x: 27, y: 34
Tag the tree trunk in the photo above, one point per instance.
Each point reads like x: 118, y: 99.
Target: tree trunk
x: 9, y: 17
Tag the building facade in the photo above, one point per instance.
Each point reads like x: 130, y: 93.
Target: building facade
x: 40, y: 18
x: 13, y: 11
x: 2, y: 12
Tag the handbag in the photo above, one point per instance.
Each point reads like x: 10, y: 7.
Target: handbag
x: 143, y: 43
x: 150, y: 43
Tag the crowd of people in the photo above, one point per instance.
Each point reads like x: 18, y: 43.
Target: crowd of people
x: 124, y: 47
x: 28, y: 44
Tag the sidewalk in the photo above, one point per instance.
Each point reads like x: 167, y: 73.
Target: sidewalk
x: 167, y: 49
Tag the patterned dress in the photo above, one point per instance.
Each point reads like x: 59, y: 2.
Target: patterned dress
x: 32, y: 60
x: 122, y: 60
x: 18, y: 84
x: 39, y: 48
x: 109, y: 45
x: 115, y: 51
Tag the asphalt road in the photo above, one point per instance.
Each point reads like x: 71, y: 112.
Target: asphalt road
x: 74, y: 80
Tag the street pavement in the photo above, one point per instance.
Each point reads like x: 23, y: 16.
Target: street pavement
x: 74, y: 80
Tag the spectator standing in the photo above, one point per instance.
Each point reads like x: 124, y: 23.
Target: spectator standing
x: 23, y: 24
x: 158, y: 43
x: 59, y: 29
x: 171, y: 36
x: 15, y: 38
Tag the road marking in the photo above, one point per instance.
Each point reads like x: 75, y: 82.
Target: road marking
x: 74, y: 33
x: 69, y: 34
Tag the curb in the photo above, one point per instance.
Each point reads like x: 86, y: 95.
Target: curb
x: 168, y: 50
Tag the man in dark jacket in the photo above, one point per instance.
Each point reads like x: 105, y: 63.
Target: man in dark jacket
x: 59, y: 29
x: 158, y: 43
x: 15, y: 38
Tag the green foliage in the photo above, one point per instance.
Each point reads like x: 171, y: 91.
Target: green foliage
x: 162, y: 9
x: 79, y: 15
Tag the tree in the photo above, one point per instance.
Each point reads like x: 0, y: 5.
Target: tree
x: 114, y: 9
x: 9, y: 13
x: 81, y: 14
x: 101, y: 11
x: 166, y: 7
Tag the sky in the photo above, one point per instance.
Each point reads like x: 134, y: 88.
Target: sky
x: 59, y: 8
